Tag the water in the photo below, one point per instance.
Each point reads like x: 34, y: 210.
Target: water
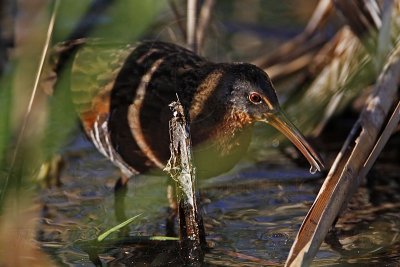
x: 251, y: 215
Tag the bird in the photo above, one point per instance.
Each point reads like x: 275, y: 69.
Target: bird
x: 122, y: 94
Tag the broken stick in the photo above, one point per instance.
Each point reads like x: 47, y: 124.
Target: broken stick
x: 182, y: 171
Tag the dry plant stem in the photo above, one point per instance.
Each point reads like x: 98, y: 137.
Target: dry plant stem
x: 365, y: 19
x: 326, y: 54
x: 389, y: 130
x: 332, y: 69
x: 344, y: 176
x: 360, y: 15
x: 319, y: 16
x: 42, y: 59
x: 290, y: 50
x: 204, y: 20
x: 191, y: 25
x: 302, y: 43
x: 283, y: 70
x: 180, y: 168
x: 178, y: 18
x: 309, y: 64
x: 384, y: 44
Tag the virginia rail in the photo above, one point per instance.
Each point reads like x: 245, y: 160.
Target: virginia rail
x: 123, y: 93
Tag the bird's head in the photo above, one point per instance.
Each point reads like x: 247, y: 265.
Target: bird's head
x: 252, y: 96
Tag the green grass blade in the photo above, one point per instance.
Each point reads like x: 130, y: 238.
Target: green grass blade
x: 116, y: 228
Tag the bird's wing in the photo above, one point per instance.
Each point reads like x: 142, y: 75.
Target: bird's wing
x: 93, y: 74
x: 94, y: 71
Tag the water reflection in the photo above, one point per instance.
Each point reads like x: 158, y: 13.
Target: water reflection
x: 251, y: 216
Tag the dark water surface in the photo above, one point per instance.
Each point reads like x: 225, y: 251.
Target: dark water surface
x: 251, y: 215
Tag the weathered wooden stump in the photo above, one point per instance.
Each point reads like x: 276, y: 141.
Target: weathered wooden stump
x: 182, y: 171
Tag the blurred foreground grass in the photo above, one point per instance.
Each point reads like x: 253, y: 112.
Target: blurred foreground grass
x: 29, y: 137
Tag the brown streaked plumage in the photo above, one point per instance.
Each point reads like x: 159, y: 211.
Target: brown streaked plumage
x: 124, y: 106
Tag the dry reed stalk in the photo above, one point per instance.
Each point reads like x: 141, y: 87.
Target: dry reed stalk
x: 191, y: 28
x: 178, y: 18
x: 363, y: 16
x: 351, y: 164
x: 302, y: 43
x: 283, y: 70
x: 337, y: 65
x: 204, y: 20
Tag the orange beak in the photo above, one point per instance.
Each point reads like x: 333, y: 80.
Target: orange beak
x: 282, y: 123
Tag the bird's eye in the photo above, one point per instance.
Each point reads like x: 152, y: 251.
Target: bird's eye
x: 255, y: 98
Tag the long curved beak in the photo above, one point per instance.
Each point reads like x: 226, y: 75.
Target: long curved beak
x: 282, y: 123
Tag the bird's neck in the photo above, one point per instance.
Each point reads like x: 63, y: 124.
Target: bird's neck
x: 234, y: 132
x: 219, y: 149
x: 226, y: 131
